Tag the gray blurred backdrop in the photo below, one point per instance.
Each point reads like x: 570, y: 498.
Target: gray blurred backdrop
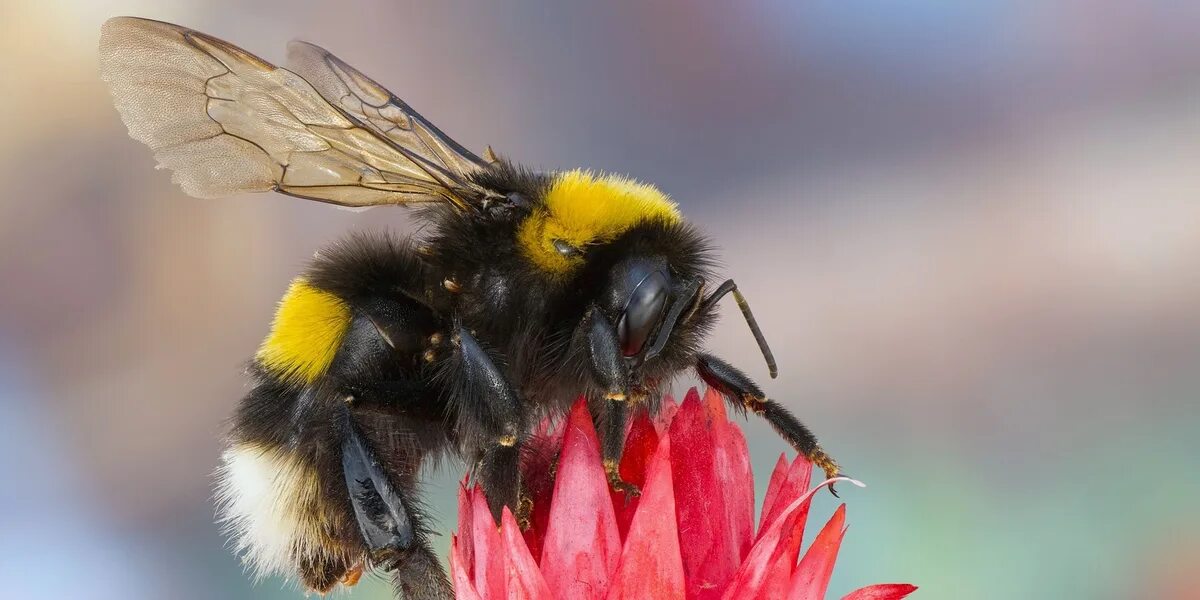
x: 970, y: 229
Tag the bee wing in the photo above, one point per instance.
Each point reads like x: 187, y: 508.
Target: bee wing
x: 227, y: 122
x: 375, y: 107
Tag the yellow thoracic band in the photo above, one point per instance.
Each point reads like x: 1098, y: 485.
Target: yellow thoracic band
x: 582, y: 208
x: 306, y: 334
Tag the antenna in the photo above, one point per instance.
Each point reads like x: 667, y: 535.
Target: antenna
x: 730, y: 286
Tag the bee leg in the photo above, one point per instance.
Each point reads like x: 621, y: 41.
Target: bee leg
x: 490, y: 418
x: 320, y: 573
x: 389, y: 524
x: 743, y: 394
x: 611, y: 420
x: 612, y: 411
x: 419, y: 576
x: 603, y: 349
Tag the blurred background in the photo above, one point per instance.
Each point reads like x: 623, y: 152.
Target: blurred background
x: 970, y: 230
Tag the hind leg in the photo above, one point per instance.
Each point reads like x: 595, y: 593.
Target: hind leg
x: 490, y: 420
x: 418, y: 576
x: 391, y: 524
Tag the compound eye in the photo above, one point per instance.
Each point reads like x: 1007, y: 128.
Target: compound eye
x: 643, y: 312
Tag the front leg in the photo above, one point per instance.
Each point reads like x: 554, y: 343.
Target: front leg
x: 736, y: 386
x: 611, y: 418
x: 608, y: 369
x: 491, y: 420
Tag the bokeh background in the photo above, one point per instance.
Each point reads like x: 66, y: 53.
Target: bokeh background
x: 971, y: 230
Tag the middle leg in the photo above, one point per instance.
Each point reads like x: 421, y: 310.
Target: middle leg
x: 491, y: 420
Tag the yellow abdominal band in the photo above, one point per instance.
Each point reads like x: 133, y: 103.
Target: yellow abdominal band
x: 306, y: 334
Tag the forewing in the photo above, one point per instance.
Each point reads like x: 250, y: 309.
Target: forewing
x: 374, y: 106
x: 226, y: 122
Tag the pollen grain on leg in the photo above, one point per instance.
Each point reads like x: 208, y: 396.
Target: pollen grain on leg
x: 350, y: 579
x: 754, y: 404
x: 524, y: 514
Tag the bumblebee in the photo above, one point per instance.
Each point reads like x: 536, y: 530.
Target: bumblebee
x: 526, y: 289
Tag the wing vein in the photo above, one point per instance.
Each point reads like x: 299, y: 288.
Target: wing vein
x: 262, y: 127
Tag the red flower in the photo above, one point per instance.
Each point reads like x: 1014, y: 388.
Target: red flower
x: 690, y: 535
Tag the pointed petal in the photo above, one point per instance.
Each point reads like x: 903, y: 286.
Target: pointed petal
x: 489, y: 553
x: 732, y: 464
x: 582, y: 543
x: 794, y: 485
x: 538, y: 457
x: 709, y: 559
x: 465, y: 524
x: 799, y: 478
x: 812, y: 574
x: 639, y: 448
x: 882, y: 591
x: 714, y: 404
x: 463, y: 590
x: 650, y: 564
x: 752, y: 576
x: 523, y: 579
x: 783, y: 560
x: 666, y: 412
x: 776, y: 579
x: 777, y: 478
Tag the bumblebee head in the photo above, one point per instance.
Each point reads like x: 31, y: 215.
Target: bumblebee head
x: 588, y: 229
x: 616, y: 244
x: 647, y: 300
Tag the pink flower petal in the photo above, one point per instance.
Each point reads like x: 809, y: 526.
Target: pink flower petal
x: 732, y: 464
x: 812, y: 574
x: 666, y: 412
x: 709, y: 558
x: 650, y: 562
x: 582, y: 544
x: 882, y: 591
x: 687, y: 536
x: 489, y: 553
x: 538, y: 457
x: 523, y: 579
x: 754, y: 575
x: 779, y: 569
x: 639, y: 448
x: 799, y: 476
x: 778, y: 476
x: 714, y: 404
x: 463, y: 590
x: 465, y: 520
x: 783, y: 560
